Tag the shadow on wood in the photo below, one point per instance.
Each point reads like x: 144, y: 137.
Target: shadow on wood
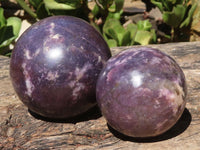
x: 93, y: 113
x: 181, y: 125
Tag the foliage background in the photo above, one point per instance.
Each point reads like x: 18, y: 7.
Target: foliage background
x: 179, y: 20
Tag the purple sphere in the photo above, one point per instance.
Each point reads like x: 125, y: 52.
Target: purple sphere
x: 141, y: 92
x: 55, y: 65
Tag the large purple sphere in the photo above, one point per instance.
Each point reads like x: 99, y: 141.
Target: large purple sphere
x: 55, y: 65
x: 141, y: 92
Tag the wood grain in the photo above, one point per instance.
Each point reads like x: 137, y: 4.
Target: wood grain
x: 22, y: 129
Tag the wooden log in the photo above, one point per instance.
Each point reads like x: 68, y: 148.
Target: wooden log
x: 21, y: 129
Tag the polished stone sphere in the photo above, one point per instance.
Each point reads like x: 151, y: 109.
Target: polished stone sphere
x: 141, y: 92
x: 55, y: 65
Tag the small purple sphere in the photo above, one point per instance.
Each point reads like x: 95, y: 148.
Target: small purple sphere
x: 141, y: 92
x: 55, y: 65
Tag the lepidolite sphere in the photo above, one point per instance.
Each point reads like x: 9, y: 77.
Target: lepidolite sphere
x: 55, y: 65
x: 141, y: 92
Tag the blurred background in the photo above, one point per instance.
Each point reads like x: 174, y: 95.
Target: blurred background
x: 121, y: 22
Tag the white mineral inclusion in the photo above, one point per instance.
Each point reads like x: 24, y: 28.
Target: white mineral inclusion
x: 136, y: 78
x: 77, y: 89
x: 30, y: 56
x: 79, y: 72
x: 29, y: 85
x: 27, y: 54
x: 55, y: 53
x: 51, y: 76
x: 52, y: 26
x: 56, y: 36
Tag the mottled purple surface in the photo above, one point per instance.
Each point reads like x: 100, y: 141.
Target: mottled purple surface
x: 141, y: 92
x: 55, y: 65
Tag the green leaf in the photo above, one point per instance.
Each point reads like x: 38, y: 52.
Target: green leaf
x: 73, y: 3
x: 158, y: 4
x: 95, y: 10
x: 112, y: 8
x: 113, y: 29
x: 143, y: 37
x: 111, y: 24
x: 52, y: 4
x: 104, y: 4
x: 105, y: 36
x: 42, y: 11
x: 167, y: 36
x: 132, y: 28
x: 116, y: 15
x: 15, y: 23
x: 144, y: 25
x: 6, y: 36
x: 181, y: 1
x: 113, y: 34
x: 188, y: 19
x: 111, y: 43
x: 154, y: 37
x: 9, y: 32
x: 175, y: 17
x: 168, y: 4
x: 172, y: 1
x: 2, y: 18
x: 26, y: 8
x: 117, y: 6
x: 35, y: 3
x: 125, y: 39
